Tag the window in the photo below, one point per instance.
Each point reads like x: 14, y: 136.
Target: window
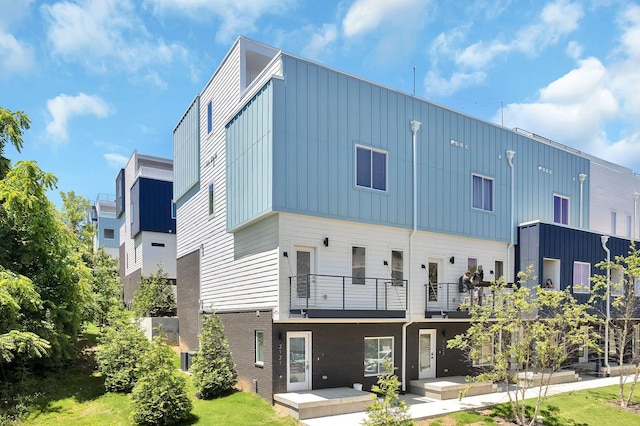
x: 581, y: 273
x: 482, y: 193
x: 499, y: 269
x: 472, y: 265
x: 628, y: 230
x: 358, y: 260
x: 109, y: 234
x: 377, y: 350
x: 209, y: 117
x: 259, y: 347
x: 131, y: 210
x: 174, y: 209
x: 635, y: 341
x: 211, y: 200
x: 433, y: 282
x: 397, y: 267
x: 560, y: 209
x: 371, y: 168
x: 157, y: 244
x: 614, y: 216
x: 617, y: 283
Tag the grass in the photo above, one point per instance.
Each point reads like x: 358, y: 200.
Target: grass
x: 579, y: 408
x: 77, y: 396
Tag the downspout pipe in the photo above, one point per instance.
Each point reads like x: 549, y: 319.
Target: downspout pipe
x: 582, y: 178
x: 604, y: 239
x: 415, y: 127
x: 510, y: 154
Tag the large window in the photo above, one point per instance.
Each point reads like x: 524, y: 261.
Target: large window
x: 483, y: 355
x: 377, y: 350
x: 581, y: 274
x: 358, y: 261
x: 482, y: 193
x: 561, y: 209
x: 209, y: 117
x: 397, y: 267
x: 259, y: 347
x: 371, y: 168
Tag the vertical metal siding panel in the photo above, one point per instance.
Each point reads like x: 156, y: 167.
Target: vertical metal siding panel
x: 345, y: 162
x: 291, y: 131
x: 323, y: 162
x: 279, y: 137
x: 314, y: 181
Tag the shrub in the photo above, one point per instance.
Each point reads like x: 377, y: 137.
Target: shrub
x: 160, y: 395
x: 155, y: 297
x: 389, y: 410
x: 121, y: 347
x: 213, y: 371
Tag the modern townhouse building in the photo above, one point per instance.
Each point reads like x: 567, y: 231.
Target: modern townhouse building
x: 144, y: 206
x: 106, y: 226
x: 327, y: 220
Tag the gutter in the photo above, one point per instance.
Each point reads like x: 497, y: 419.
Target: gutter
x: 510, y: 154
x: 603, y: 240
x: 415, y: 127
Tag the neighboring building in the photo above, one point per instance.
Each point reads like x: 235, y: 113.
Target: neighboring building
x: 144, y: 205
x: 106, y: 226
x: 327, y: 219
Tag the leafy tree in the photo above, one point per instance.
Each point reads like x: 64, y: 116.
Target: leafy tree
x: 12, y: 125
x: 18, y: 299
x: 524, y: 336
x: 155, y: 296
x: 619, y: 286
x: 35, y: 243
x: 75, y: 210
x: 105, y: 287
x: 160, y: 395
x: 389, y: 410
x: 213, y: 370
x: 122, y: 348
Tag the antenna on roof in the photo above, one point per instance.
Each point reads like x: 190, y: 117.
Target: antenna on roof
x: 414, y: 80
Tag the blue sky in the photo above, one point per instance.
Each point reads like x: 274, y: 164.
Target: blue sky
x: 101, y: 78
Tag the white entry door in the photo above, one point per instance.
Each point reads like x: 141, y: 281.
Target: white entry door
x: 427, y: 354
x: 298, y: 361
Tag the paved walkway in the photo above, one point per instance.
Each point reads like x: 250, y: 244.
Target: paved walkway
x: 423, y: 407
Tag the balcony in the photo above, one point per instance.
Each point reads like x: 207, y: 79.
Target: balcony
x: 337, y: 296
x: 445, y: 300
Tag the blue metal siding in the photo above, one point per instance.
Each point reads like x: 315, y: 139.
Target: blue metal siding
x: 186, y: 150
x: 543, y: 240
x: 109, y: 223
x: 249, y: 160
x: 152, y: 206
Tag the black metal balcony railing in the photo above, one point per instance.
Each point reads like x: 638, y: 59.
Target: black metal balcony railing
x: 316, y: 295
x: 447, y: 297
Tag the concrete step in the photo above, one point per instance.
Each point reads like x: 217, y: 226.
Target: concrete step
x: 450, y: 387
x: 322, y: 402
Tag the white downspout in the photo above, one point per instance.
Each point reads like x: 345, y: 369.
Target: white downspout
x: 636, y: 196
x: 581, y: 177
x: 510, y: 155
x: 603, y: 240
x: 415, y: 126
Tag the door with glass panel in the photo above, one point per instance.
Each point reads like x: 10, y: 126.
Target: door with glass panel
x: 298, y: 361
x: 427, y: 354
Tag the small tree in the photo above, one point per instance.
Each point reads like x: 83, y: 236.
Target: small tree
x: 523, y: 336
x: 160, y: 395
x: 619, y: 286
x: 122, y: 347
x: 213, y: 370
x: 105, y: 287
x: 389, y: 410
x: 155, y: 297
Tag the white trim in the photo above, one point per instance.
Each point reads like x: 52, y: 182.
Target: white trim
x: 378, y: 361
x: 386, y: 168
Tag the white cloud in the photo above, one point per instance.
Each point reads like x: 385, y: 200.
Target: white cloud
x: 15, y: 56
x: 320, y: 41
x: 237, y: 16
x: 556, y: 20
x: 115, y: 160
x: 64, y: 107
x: 365, y: 16
x: 104, y: 35
x: 437, y: 85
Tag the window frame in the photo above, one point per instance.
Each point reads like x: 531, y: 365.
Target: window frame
x: 356, y: 278
x: 259, y: 348
x: 563, y: 212
x: 614, y: 222
x: 211, y: 200
x: 582, y: 287
x: 487, y: 353
x: 113, y: 234
x: 379, y: 369
x: 209, y: 116
x: 174, y: 209
x: 484, y: 180
x: 371, y: 185
x: 397, y: 272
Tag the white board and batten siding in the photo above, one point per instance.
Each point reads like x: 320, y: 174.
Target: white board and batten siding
x: 298, y: 231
